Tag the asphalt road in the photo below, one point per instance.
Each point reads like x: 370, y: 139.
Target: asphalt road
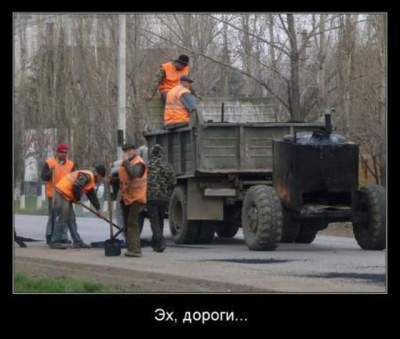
x: 330, y: 264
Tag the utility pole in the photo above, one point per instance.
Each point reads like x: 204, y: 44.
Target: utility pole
x: 121, y: 83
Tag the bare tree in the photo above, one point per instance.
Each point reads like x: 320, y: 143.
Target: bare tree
x: 301, y: 63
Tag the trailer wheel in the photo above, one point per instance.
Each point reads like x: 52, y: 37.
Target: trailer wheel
x: 182, y: 230
x: 262, y: 218
x: 371, y: 234
x: 226, y: 230
x: 206, y: 232
x: 290, y: 228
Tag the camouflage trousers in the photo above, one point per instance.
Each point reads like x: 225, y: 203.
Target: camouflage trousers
x: 156, y: 211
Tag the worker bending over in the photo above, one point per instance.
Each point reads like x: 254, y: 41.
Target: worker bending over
x: 68, y: 190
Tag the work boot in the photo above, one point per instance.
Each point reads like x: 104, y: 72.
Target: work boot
x: 132, y: 254
x: 160, y: 247
x: 66, y: 242
x: 80, y: 244
x: 58, y: 246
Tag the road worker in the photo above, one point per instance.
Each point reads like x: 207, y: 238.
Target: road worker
x: 68, y: 190
x: 132, y: 176
x: 180, y: 105
x: 53, y: 170
x: 168, y: 76
x: 160, y: 183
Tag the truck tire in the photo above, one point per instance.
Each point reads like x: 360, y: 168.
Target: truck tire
x: 182, y: 230
x: 290, y: 228
x: 206, y: 232
x: 262, y: 218
x: 371, y: 235
x: 226, y: 230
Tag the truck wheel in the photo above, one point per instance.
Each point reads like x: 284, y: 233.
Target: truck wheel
x: 182, y: 230
x: 371, y: 234
x: 262, y: 218
x: 290, y: 228
x: 206, y: 232
x: 306, y: 234
x: 226, y: 230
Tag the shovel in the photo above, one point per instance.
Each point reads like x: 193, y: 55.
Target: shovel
x: 112, y: 246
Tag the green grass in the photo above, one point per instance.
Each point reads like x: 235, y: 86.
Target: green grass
x: 41, y: 284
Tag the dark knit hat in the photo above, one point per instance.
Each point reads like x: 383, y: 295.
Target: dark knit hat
x: 100, y: 169
x: 128, y: 146
x: 183, y: 59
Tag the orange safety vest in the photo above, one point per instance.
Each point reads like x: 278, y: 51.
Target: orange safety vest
x: 133, y: 189
x: 175, y: 111
x: 172, y: 76
x: 65, y: 185
x: 59, y: 171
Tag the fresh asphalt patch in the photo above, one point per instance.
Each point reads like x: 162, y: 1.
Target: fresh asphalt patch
x: 375, y: 278
x: 29, y: 239
x: 188, y: 246
x: 252, y: 261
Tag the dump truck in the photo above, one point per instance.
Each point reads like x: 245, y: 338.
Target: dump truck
x: 217, y: 159
x: 225, y: 162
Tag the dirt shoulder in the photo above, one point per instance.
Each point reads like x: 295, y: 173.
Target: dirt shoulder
x: 126, y: 281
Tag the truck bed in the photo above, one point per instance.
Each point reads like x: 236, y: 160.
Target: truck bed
x: 222, y: 148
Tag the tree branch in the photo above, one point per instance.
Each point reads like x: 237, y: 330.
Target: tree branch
x: 253, y: 35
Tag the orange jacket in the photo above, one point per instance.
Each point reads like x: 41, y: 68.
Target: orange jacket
x: 172, y: 76
x: 175, y: 111
x: 133, y: 189
x: 59, y: 171
x: 65, y: 185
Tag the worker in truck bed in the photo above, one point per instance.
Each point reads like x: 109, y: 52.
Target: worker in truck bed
x: 168, y: 77
x: 53, y: 170
x: 68, y: 190
x: 180, y: 105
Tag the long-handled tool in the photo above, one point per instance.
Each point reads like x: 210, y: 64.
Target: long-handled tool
x: 120, y: 229
x: 110, y: 209
x: 112, y: 246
